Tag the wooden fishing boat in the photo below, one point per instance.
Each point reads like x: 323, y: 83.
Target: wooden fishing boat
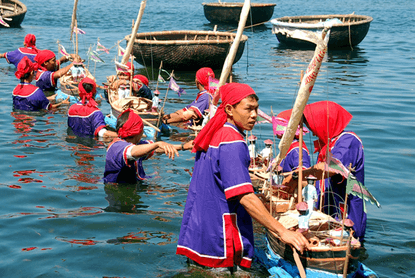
x: 230, y: 12
x: 347, y: 30
x: 185, y: 50
x: 12, y: 13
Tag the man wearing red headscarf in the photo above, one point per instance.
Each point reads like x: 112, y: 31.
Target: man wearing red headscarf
x: 195, y: 111
x: 84, y: 117
x: 328, y: 120
x: 26, y: 96
x: 125, y: 154
x: 29, y: 50
x: 140, y: 87
x: 48, y: 73
x: 217, y: 228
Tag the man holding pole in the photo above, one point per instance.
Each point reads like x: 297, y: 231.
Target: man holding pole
x: 217, y: 227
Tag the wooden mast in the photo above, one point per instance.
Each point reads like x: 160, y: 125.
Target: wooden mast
x: 227, y: 66
x: 75, y: 5
x: 133, y: 33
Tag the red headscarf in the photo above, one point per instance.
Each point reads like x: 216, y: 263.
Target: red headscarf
x: 43, y: 56
x: 133, y: 126
x: 87, y: 97
x: 30, y: 41
x: 202, y: 75
x: 24, y: 66
x: 326, y: 119
x: 142, y: 78
x: 232, y: 94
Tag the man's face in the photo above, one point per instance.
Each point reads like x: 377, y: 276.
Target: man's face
x: 50, y: 65
x: 244, y: 114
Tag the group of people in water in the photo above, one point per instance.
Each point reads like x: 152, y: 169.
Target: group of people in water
x: 217, y: 227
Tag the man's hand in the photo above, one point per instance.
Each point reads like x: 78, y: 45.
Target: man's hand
x: 169, y: 149
x: 295, y: 239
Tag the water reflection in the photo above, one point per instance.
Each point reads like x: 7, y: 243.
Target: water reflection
x: 125, y: 198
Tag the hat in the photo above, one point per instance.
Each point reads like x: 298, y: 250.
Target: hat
x: 142, y: 78
x: 268, y: 142
x: 156, y: 92
x: 252, y: 138
x: 202, y: 75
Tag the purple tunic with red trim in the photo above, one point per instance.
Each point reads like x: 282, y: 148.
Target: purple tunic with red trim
x: 45, y: 81
x: 14, y: 57
x: 290, y: 162
x: 200, y: 104
x: 348, y: 148
x: 28, y: 97
x: 85, y: 120
x: 119, y: 169
x: 216, y: 230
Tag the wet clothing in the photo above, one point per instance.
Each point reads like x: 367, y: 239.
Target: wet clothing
x: 14, y: 57
x: 348, y: 148
x: 119, y: 168
x: 85, y: 120
x: 216, y: 229
x: 199, y: 105
x: 290, y: 162
x: 28, y: 97
x: 45, y: 81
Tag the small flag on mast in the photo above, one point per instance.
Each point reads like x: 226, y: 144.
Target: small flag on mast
x: 173, y: 85
x: 100, y: 47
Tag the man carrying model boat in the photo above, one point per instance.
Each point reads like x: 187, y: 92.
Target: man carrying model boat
x: 217, y: 227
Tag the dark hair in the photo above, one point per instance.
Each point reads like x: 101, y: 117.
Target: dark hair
x: 122, y: 119
x: 25, y: 76
x: 88, y: 87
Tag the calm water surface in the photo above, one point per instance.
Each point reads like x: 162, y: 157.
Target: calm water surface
x: 57, y: 219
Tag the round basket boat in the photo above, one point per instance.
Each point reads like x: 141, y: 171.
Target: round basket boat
x: 230, y: 12
x: 12, y: 12
x: 185, y: 50
x: 350, y: 30
x: 69, y: 86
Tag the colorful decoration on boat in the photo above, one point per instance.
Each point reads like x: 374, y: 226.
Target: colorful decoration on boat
x: 120, y: 67
x: 100, y: 47
x: 94, y: 56
x: 263, y: 118
x: 121, y: 51
x: 3, y: 22
x: 356, y: 188
x: 173, y: 85
x: 63, y: 51
x: 78, y: 31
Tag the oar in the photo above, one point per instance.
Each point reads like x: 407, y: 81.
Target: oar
x: 134, y: 33
x: 298, y: 263
x: 227, y: 66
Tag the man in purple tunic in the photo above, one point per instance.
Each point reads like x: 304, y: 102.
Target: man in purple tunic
x: 195, y: 111
x: 123, y: 163
x: 84, y: 117
x: 327, y: 120
x: 26, y: 96
x: 47, y: 75
x: 217, y: 228
x: 29, y: 50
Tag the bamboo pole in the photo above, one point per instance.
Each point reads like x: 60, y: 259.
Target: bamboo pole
x: 227, y: 66
x: 75, y: 5
x: 76, y: 37
x: 133, y: 33
x: 300, y: 158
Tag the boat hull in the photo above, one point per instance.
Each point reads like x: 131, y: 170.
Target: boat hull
x: 347, y: 34
x: 185, y: 50
x: 230, y: 13
x: 16, y: 15
x: 330, y: 259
